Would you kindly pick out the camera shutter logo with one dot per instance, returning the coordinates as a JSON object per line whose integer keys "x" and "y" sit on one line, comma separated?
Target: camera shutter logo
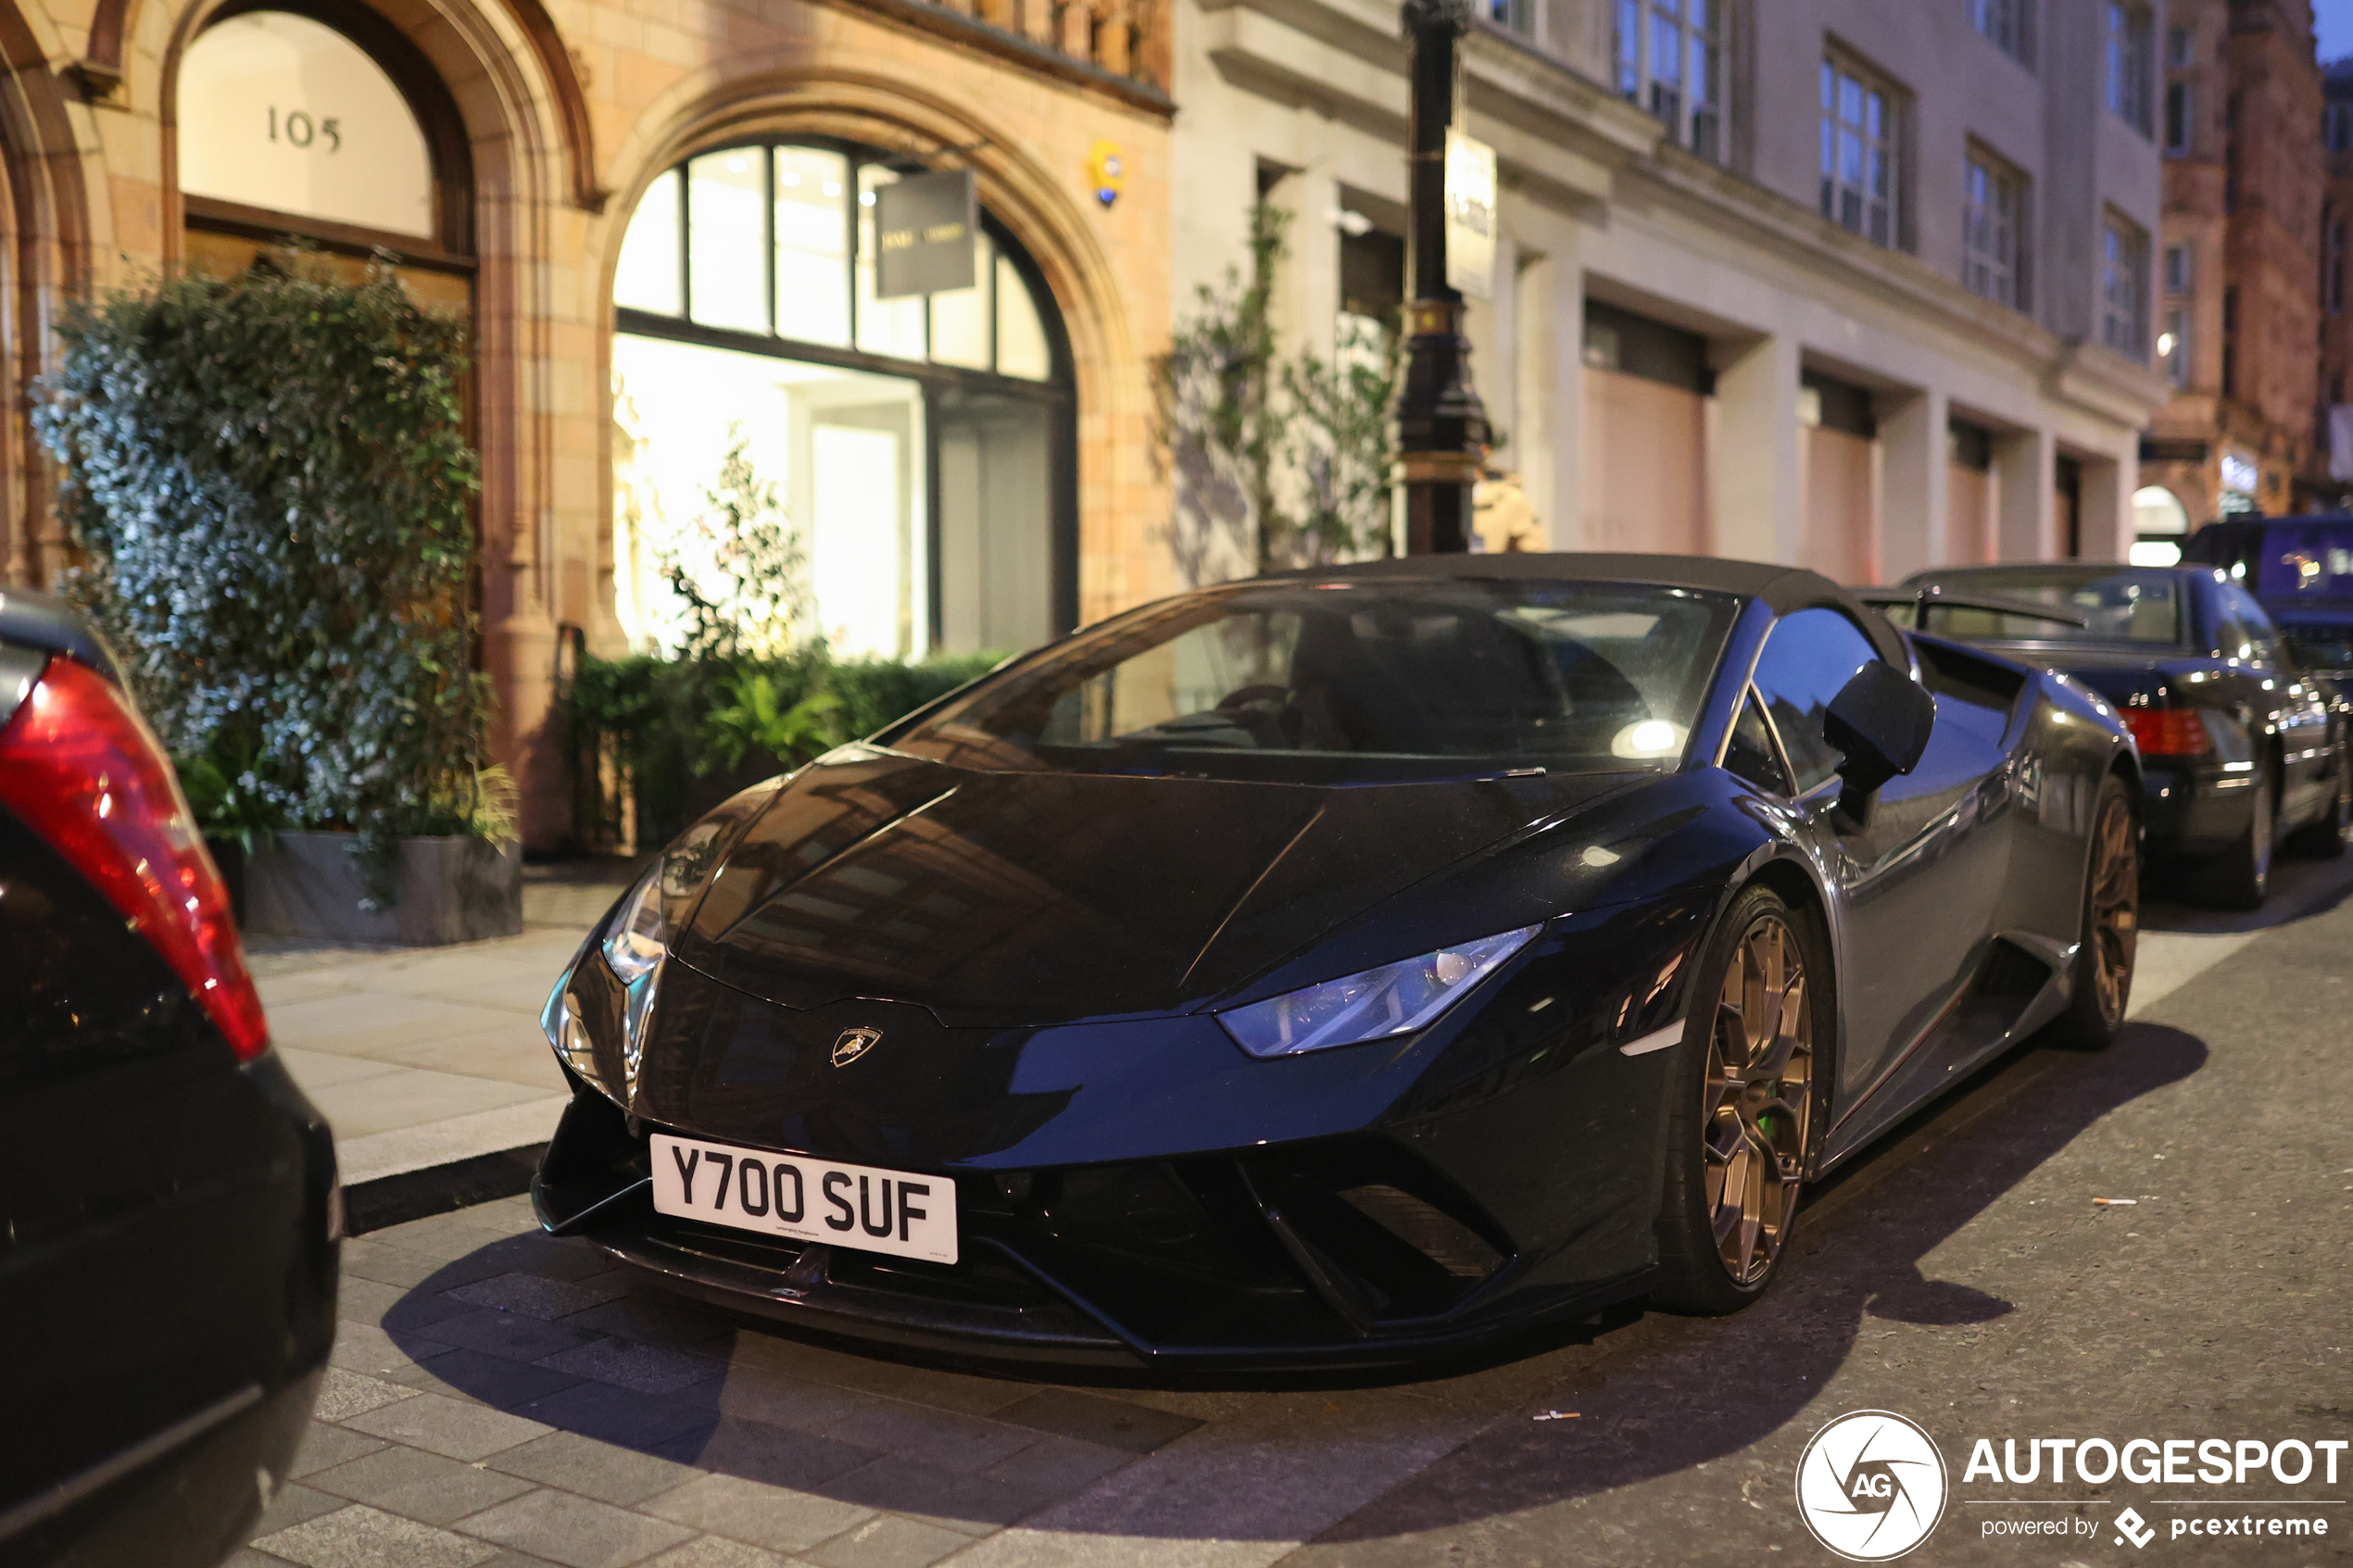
{"x": 1872, "y": 1486}
{"x": 852, "y": 1044}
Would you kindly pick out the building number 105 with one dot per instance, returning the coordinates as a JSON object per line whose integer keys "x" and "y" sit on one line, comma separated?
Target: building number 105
{"x": 302, "y": 131}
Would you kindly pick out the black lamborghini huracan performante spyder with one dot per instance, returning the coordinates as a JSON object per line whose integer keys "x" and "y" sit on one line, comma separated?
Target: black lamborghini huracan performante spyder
{"x": 1343, "y": 964}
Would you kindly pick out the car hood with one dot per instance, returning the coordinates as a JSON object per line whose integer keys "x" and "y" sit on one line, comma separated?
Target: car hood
{"x": 998, "y": 899}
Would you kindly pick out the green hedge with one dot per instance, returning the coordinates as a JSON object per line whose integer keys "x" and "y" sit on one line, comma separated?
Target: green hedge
{"x": 655, "y": 742}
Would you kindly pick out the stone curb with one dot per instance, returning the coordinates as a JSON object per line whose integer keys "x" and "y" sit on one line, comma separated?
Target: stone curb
{"x": 439, "y": 1190}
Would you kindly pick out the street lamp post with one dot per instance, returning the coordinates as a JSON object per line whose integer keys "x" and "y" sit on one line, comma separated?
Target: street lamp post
{"x": 1440, "y": 423}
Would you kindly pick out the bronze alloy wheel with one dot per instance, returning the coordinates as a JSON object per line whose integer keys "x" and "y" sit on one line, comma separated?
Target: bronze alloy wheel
{"x": 1758, "y": 1098}
{"x": 2116, "y": 905}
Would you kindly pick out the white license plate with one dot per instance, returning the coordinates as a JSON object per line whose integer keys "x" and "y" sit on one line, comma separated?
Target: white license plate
{"x": 789, "y": 1195}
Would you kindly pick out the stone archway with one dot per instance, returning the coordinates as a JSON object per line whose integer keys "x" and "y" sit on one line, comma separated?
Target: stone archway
{"x": 46, "y": 248}
{"x": 781, "y": 93}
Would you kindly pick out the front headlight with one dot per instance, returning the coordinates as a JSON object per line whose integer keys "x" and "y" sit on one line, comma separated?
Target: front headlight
{"x": 1396, "y": 998}
{"x": 564, "y": 1033}
{"x": 640, "y": 934}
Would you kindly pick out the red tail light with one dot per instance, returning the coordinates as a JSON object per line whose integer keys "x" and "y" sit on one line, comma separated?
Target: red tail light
{"x": 2166, "y": 731}
{"x": 81, "y": 770}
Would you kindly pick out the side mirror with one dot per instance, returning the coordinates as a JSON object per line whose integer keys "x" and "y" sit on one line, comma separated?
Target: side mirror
{"x": 1881, "y": 719}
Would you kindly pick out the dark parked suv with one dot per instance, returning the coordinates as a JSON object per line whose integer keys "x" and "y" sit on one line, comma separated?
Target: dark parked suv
{"x": 169, "y": 1211}
{"x": 2300, "y": 570}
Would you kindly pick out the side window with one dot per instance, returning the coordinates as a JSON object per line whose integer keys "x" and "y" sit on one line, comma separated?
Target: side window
{"x": 1809, "y": 658}
{"x": 1750, "y": 753}
{"x": 2247, "y": 633}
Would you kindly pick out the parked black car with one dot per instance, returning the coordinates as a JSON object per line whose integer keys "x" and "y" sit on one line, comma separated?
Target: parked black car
{"x": 2300, "y": 570}
{"x": 2244, "y": 748}
{"x": 1342, "y": 965}
{"x": 169, "y": 1211}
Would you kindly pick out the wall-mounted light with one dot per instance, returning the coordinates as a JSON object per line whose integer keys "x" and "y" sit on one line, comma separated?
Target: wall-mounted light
{"x": 1106, "y": 172}
{"x": 1354, "y": 224}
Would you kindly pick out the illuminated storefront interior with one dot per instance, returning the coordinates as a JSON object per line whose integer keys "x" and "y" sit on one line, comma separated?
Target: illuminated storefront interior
{"x": 922, "y": 447}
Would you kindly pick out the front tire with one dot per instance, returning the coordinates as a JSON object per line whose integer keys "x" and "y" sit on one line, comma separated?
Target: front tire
{"x": 2111, "y": 942}
{"x": 2240, "y": 877}
{"x": 1750, "y": 1088}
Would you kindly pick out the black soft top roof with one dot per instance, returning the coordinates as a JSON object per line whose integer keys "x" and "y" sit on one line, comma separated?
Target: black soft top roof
{"x": 1781, "y": 588}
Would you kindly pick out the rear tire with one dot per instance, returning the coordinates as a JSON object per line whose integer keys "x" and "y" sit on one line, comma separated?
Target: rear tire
{"x": 2240, "y": 877}
{"x": 1749, "y": 1108}
{"x": 2325, "y": 840}
{"x": 2110, "y": 940}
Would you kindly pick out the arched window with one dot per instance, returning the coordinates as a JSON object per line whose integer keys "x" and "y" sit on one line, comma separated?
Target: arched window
{"x": 920, "y": 446}
{"x": 320, "y": 119}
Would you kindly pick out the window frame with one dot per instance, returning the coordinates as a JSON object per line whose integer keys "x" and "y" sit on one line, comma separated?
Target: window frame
{"x": 1840, "y": 70}
{"x": 940, "y": 380}
{"x": 1004, "y": 246}
{"x": 2120, "y": 234}
{"x": 2180, "y": 119}
{"x": 2127, "y": 56}
{"x": 1832, "y": 780}
{"x": 2337, "y": 246}
{"x": 1751, "y": 697}
{"x": 2003, "y": 268}
{"x": 2185, "y": 280}
{"x": 2175, "y": 362}
{"x": 2006, "y": 24}
{"x": 1699, "y": 126}
{"x": 451, "y": 247}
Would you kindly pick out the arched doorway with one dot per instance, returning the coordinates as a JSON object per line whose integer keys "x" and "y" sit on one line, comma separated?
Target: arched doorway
{"x": 924, "y": 446}
{"x": 318, "y": 120}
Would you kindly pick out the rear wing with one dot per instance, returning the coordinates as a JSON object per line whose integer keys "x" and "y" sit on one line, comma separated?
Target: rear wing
{"x": 1923, "y": 599}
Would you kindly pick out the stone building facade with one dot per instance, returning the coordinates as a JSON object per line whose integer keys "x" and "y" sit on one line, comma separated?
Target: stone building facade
{"x": 2240, "y": 267}
{"x": 511, "y": 151}
{"x": 1861, "y": 286}
{"x": 2335, "y": 437}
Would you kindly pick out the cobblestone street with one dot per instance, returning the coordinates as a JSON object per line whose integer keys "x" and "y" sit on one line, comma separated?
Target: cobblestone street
{"x": 502, "y": 1398}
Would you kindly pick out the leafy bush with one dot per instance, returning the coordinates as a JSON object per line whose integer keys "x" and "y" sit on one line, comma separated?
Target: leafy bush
{"x": 269, "y": 480}
{"x": 670, "y": 738}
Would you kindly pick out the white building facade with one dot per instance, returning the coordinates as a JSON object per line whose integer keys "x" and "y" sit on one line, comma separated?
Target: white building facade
{"x": 1861, "y": 284}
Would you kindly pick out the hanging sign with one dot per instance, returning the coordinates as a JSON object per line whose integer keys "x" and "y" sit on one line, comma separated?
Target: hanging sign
{"x": 924, "y": 227}
{"x": 1470, "y": 214}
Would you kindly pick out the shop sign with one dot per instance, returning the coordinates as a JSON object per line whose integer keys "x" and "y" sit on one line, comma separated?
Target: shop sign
{"x": 924, "y": 228}
{"x": 1470, "y": 214}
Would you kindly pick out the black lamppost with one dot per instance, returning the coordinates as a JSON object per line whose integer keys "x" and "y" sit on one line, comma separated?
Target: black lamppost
{"x": 1440, "y": 423}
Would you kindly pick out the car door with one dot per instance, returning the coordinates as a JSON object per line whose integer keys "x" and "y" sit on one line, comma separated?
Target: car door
{"x": 1916, "y": 870}
{"x": 2278, "y": 696}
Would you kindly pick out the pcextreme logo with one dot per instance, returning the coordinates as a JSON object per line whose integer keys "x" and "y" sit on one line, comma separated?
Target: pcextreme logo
{"x": 1872, "y": 1486}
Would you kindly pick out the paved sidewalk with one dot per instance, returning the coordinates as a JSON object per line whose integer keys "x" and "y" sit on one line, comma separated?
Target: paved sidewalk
{"x": 422, "y": 1056}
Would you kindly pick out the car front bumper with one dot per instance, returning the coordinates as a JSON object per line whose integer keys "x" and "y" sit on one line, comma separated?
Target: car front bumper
{"x": 1314, "y": 1255}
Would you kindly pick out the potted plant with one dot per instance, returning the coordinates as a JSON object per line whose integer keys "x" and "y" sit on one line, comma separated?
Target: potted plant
{"x": 269, "y": 478}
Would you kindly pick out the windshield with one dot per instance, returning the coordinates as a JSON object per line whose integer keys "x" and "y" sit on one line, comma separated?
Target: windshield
{"x": 2141, "y": 607}
{"x": 2305, "y": 561}
{"x": 1354, "y": 681}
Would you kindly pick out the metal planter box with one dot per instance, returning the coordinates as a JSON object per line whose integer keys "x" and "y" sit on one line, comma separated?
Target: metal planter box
{"x": 448, "y": 890}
